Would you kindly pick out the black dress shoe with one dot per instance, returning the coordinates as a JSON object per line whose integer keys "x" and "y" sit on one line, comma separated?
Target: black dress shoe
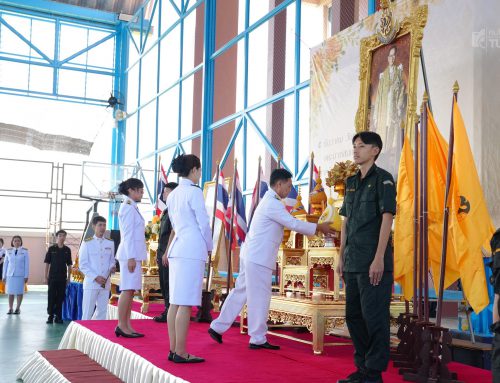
{"x": 215, "y": 335}
{"x": 189, "y": 359}
{"x": 161, "y": 318}
{"x": 356, "y": 377}
{"x": 17, "y": 312}
{"x": 50, "y": 319}
{"x": 10, "y": 312}
{"x": 267, "y": 346}
{"x": 171, "y": 356}
{"x": 119, "y": 332}
{"x": 138, "y": 334}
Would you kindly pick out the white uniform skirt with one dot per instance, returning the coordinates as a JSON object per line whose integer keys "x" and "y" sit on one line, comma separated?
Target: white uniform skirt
{"x": 185, "y": 280}
{"x": 15, "y": 286}
{"x": 130, "y": 280}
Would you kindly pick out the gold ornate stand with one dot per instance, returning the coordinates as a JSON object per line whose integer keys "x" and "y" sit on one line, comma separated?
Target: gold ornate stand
{"x": 149, "y": 282}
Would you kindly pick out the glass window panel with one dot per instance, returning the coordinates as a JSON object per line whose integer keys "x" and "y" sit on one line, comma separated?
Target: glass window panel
{"x": 169, "y": 15}
{"x": 192, "y": 50}
{"x": 170, "y": 58}
{"x": 311, "y": 35}
{"x": 14, "y": 75}
{"x": 24, "y": 207}
{"x": 168, "y": 117}
{"x": 99, "y": 86}
{"x": 131, "y": 140}
{"x": 133, "y": 53}
{"x": 41, "y": 171}
{"x": 225, "y": 82}
{"x": 287, "y": 32}
{"x": 71, "y": 83}
{"x": 304, "y": 126}
{"x": 188, "y": 125}
{"x": 149, "y": 73}
{"x": 41, "y": 79}
{"x": 258, "y": 148}
{"x": 95, "y": 35}
{"x": 259, "y": 8}
{"x": 43, "y": 36}
{"x": 258, "y": 61}
{"x": 166, "y": 158}
{"x": 147, "y": 129}
{"x": 72, "y": 40}
{"x": 11, "y": 43}
{"x": 73, "y": 213}
{"x": 150, "y": 179}
{"x": 103, "y": 55}
{"x": 72, "y": 179}
{"x": 133, "y": 89}
{"x": 288, "y": 148}
{"x": 151, "y": 20}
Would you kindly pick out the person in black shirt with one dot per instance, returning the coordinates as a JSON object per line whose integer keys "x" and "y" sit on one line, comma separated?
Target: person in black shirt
{"x": 57, "y": 274}
{"x": 165, "y": 230}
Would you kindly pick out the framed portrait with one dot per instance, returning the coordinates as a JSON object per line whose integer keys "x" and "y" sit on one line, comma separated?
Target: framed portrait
{"x": 218, "y": 232}
{"x": 388, "y": 82}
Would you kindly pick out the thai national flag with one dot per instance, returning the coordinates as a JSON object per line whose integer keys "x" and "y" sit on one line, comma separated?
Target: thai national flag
{"x": 222, "y": 202}
{"x": 291, "y": 199}
{"x": 161, "y": 205}
{"x": 240, "y": 221}
{"x": 315, "y": 178}
{"x": 256, "y": 198}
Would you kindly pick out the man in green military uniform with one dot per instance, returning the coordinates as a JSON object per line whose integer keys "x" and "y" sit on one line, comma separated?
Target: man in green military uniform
{"x": 366, "y": 261}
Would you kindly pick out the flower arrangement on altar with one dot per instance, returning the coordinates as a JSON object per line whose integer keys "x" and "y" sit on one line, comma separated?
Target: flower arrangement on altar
{"x": 152, "y": 228}
{"x": 338, "y": 175}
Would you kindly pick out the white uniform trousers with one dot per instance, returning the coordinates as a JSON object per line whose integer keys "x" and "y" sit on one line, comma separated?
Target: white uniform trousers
{"x": 95, "y": 299}
{"x": 253, "y": 287}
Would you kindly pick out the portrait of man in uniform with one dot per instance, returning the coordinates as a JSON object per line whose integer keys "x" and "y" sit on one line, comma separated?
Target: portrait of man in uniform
{"x": 388, "y": 97}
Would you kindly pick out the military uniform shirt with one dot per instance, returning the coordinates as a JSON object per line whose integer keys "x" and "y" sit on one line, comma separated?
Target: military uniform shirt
{"x": 58, "y": 259}
{"x": 365, "y": 201}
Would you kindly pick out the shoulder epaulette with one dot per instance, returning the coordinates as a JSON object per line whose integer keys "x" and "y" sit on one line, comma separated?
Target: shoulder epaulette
{"x": 88, "y": 239}
{"x": 129, "y": 202}
{"x": 23, "y": 248}
{"x": 10, "y": 248}
{"x": 109, "y": 239}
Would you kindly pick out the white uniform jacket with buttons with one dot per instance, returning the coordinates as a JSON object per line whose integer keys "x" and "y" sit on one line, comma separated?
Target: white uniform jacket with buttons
{"x": 266, "y": 232}
{"x": 132, "y": 238}
{"x": 96, "y": 258}
{"x": 16, "y": 265}
{"x": 190, "y": 222}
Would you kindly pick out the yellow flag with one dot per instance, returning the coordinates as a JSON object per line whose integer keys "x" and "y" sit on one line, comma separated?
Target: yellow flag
{"x": 403, "y": 224}
{"x": 437, "y": 154}
{"x": 470, "y": 222}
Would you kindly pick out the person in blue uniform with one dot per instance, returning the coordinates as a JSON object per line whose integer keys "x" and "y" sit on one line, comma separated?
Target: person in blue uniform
{"x": 2, "y": 259}
{"x": 190, "y": 246}
{"x": 258, "y": 259}
{"x": 57, "y": 274}
{"x": 366, "y": 259}
{"x": 16, "y": 271}
{"x": 165, "y": 230}
{"x": 131, "y": 252}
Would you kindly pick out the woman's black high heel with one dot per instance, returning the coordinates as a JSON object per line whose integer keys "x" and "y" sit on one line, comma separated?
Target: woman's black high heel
{"x": 119, "y": 332}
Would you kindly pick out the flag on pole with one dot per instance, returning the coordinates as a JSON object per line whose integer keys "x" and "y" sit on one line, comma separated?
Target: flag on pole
{"x": 222, "y": 202}
{"x": 403, "y": 223}
{"x": 470, "y": 223}
{"x": 161, "y": 205}
{"x": 291, "y": 199}
{"x": 239, "y": 221}
{"x": 315, "y": 177}
{"x": 262, "y": 187}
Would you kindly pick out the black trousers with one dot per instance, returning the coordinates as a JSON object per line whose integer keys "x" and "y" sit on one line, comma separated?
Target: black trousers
{"x": 495, "y": 358}
{"x": 57, "y": 293}
{"x": 368, "y": 319}
{"x": 164, "y": 286}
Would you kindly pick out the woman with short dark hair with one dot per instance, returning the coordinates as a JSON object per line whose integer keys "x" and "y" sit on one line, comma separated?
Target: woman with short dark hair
{"x": 131, "y": 252}
{"x": 16, "y": 272}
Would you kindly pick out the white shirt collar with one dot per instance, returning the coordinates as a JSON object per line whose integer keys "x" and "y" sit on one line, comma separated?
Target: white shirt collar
{"x": 99, "y": 239}
{"x": 186, "y": 181}
{"x": 132, "y": 202}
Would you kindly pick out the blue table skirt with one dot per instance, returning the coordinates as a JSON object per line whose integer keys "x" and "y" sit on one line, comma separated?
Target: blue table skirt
{"x": 72, "y": 307}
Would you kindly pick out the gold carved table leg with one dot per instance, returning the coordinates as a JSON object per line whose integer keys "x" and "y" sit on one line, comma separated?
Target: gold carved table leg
{"x": 318, "y": 331}
{"x": 145, "y": 302}
{"x": 114, "y": 294}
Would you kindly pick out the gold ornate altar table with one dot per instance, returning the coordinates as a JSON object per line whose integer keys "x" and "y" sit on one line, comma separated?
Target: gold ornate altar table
{"x": 319, "y": 317}
{"x": 149, "y": 282}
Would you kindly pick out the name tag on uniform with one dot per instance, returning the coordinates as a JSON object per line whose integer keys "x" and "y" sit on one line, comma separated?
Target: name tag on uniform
{"x": 388, "y": 182}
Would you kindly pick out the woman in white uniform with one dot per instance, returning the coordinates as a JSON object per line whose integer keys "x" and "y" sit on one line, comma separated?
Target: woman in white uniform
{"x": 190, "y": 244}
{"x": 131, "y": 252}
{"x": 16, "y": 270}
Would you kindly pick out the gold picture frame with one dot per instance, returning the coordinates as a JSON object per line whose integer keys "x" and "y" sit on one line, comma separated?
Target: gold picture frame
{"x": 413, "y": 25}
{"x": 218, "y": 236}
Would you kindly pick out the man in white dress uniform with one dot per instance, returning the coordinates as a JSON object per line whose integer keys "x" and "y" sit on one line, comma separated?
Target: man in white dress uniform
{"x": 97, "y": 262}
{"x": 258, "y": 260}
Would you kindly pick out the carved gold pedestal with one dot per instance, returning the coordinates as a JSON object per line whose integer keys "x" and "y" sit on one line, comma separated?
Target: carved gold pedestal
{"x": 149, "y": 282}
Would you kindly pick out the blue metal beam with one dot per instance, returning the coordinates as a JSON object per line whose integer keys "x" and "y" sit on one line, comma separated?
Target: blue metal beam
{"x": 231, "y": 144}
{"x": 66, "y": 10}
{"x": 372, "y": 7}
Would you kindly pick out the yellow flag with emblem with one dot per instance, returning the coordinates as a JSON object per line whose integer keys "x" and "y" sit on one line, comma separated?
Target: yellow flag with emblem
{"x": 470, "y": 222}
{"x": 403, "y": 223}
{"x": 437, "y": 154}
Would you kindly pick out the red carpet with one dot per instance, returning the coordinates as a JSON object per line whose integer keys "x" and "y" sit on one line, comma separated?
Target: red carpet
{"x": 233, "y": 361}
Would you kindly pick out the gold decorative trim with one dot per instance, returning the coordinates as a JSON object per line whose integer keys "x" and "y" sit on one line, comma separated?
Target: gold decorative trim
{"x": 321, "y": 261}
{"x": 333, "y": 323}
{"x": 295, "y": 319}
{"x": 414, "y": 25}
